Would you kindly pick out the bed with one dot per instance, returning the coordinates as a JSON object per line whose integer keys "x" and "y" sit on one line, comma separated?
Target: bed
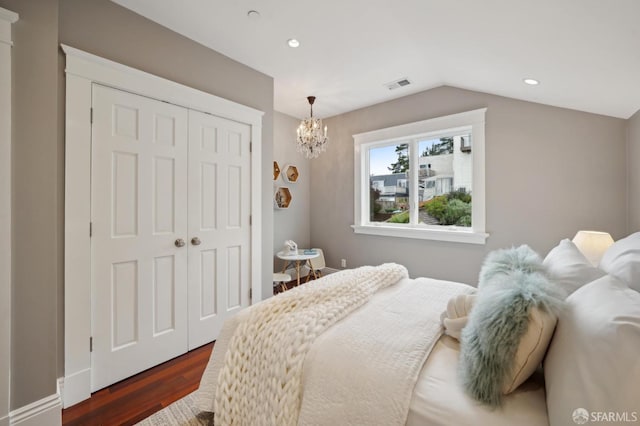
{"x": 381, "y": 355}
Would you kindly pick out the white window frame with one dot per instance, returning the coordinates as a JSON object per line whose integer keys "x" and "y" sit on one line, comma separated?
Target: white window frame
{"x": 405, "y": 133}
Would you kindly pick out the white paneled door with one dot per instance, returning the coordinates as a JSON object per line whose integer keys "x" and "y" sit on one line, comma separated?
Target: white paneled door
{"x": 170, "y": 230}
{"x": 139, "y": 194}
{"x": 219, "y": 229}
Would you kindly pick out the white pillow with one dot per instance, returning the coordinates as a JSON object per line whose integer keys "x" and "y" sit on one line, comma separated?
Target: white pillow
{"x": 531, "y": 349}
{"x": 505, "y": 340}
{"x": 622, "y": 260}
{"x": 569, "y": 268}
{"x": 592, "y": 362}
{"x": 455, "y": 317}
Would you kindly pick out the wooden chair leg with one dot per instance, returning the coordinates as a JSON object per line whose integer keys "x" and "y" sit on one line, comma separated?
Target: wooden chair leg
{"x": 312, "y": 271}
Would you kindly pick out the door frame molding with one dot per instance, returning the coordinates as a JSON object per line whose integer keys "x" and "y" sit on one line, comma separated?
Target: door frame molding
{"x": 82, "y": 70}
{"x": 7, "y": 18}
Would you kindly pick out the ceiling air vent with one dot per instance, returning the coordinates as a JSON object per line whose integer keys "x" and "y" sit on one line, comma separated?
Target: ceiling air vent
{"x": 398, "y": 83}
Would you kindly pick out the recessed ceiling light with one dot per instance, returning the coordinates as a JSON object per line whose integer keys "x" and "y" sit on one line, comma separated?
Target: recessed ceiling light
{"x": 253, "y": 14}
{"x": 292, "y": 42}
{"x": 531, "y": 81}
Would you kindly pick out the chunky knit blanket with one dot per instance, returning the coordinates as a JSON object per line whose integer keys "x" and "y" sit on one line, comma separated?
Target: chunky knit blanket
{"x": 260, "y": 381}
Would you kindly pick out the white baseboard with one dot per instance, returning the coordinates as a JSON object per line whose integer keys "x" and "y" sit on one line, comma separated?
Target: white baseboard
{"x": 44, "y": 412}
{"x": 4, "y": 421}
{"x": 75, "y": 387}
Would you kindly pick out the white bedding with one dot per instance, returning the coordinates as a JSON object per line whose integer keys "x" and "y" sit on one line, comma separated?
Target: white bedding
{"x": 362, "y": 371}
{"x": 437, "y": 399}
{"x": 260, "y": 382}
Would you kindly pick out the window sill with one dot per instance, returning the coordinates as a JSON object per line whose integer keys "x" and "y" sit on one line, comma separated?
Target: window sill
{"x": 449, "y": 234}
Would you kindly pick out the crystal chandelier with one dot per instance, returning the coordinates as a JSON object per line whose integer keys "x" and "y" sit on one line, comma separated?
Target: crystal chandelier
{"x": 312, "y": 140}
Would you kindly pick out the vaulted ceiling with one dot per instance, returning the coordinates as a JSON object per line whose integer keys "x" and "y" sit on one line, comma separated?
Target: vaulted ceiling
{"x": 585, "y": 53}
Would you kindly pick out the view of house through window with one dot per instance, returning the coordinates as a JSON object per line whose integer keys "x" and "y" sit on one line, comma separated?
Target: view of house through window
{"x": 443, "y": 181}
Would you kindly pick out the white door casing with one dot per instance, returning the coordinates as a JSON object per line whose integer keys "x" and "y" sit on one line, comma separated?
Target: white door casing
{"x": 139, "y": 199}
{"x": 6, "y": 19}
{"x": 219, "y": 228}
{"x": 82, "y": 71}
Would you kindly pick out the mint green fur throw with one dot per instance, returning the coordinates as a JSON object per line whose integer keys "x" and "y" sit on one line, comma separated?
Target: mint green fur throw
{"x": 512, "y": 281}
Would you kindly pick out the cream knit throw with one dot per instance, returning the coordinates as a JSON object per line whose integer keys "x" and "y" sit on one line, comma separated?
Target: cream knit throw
{"x": 260, "y": 381}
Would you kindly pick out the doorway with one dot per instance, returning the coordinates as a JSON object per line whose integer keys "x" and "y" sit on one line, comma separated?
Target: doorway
{"x": 170, "y": 241}
{"x": 83, "y": 72}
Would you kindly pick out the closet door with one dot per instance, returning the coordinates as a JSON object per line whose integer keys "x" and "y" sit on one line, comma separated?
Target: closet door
{"x": 219, "y": 228}
{"x": 139, "y": 223}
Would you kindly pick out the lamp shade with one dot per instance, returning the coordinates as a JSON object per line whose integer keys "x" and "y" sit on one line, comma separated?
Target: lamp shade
{"x": 593, "y": 244}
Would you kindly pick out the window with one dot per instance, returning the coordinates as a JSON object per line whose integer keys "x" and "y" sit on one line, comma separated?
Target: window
{"x": 423, "y": 179}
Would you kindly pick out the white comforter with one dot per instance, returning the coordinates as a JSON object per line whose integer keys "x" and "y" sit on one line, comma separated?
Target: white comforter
{"x": 369, "y": 368}
{"x": 362, "y": 371}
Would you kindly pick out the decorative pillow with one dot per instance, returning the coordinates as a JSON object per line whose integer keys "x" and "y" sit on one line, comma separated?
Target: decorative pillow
{"x": 510, "y": 324}
{"x": 569, "y": 268}
{"x": 592, "y": 362}
{"x": 531, "y": 349}
{"x": 622, "y": 260}
{"x": 455, "y": 317}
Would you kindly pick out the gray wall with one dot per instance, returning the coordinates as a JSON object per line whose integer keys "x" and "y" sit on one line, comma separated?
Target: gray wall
{"x": 36, "y": 223}
{"x": 291, "y": 223}
{"x": 549, "y": 172}
{"x": 633, "y": 159}
{"x": 105, "y": 29}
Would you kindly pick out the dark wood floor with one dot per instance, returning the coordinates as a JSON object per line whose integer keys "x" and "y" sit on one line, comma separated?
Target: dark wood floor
{"x": 136, "y": 398}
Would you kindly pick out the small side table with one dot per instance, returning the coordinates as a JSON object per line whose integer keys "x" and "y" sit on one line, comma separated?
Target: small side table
{"x": 297, "y": 260}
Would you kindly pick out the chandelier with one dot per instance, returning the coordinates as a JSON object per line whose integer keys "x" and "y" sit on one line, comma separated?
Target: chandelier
{"x": 312, "y": 140}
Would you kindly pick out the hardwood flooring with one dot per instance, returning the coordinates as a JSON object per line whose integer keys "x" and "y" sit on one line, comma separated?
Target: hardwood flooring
{"x": 136, "y": 398}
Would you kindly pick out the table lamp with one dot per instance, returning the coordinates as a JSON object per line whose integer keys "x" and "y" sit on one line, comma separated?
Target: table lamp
{"x": 593, "y": 244}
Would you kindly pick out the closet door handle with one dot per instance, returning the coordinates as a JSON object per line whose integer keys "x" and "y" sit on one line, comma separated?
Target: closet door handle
{"x": 179, "y": 242}
{"x": 196, "y": 241}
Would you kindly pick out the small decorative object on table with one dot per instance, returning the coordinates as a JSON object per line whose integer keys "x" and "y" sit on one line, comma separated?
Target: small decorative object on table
{"x": 290, "y": 247}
